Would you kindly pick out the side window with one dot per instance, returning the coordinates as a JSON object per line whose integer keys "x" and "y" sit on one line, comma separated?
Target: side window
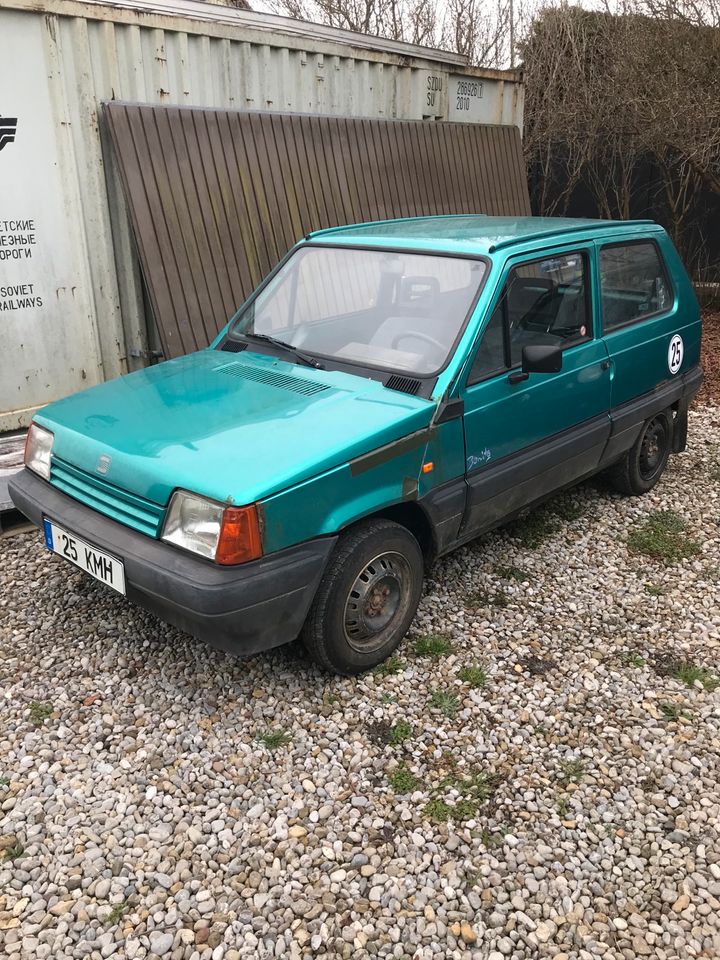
{"x": 633, "y": 283}
{"x": 547, "y": 304}
{"x": 543, "y": 302}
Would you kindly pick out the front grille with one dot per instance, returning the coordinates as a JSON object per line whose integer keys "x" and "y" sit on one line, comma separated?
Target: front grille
{"x": 96, "y": 492}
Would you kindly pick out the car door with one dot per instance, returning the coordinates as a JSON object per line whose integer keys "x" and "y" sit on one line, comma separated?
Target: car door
{"x": 527, "y": 435}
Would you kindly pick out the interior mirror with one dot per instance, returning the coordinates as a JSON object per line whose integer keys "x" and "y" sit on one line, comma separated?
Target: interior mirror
{"x": 541, "y": 358}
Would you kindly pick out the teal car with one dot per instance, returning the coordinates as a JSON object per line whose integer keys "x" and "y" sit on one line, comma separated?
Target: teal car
{"x": 391, "y": 391}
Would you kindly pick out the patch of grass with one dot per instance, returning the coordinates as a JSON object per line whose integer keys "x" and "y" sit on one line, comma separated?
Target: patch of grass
{"x": 402, "y": 780}
{"x": 116, "y": 914}
{"x": 654, "y": 590}
{"x": 432, "y": 645}
{"x": 689, "y": 673}
{"x": 39, "y": 712}
{"x": 662, "y": 537}
{"x": 474, "y": 788}
{"x": 390, "y": 666}
{"x": 511, "y": 572}
{"x": 446, "y": 703}
{"x": 438, "y": 810}
{"x": 473, "y": 676}
{"x": 572, "y": 771}
{"x": 486, "y": 598}
{"x": 535, "y": 528}
{"x": 273, "y": 739}
{"x": 400, "y": 732}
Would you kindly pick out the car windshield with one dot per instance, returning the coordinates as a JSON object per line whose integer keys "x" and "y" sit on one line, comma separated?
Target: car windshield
{"x": 378, "y": 308}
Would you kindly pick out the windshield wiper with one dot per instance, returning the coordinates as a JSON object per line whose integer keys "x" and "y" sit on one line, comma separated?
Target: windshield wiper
{"x": 302, "y": 357}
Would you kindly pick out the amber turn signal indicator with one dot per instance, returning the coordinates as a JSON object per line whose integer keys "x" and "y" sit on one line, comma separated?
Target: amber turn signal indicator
{"x": 240, "y": 538}
{"x": 428, "y": 467}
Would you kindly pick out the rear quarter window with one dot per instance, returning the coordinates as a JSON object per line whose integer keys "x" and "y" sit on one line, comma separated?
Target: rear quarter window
{"x": 634, "y": 283}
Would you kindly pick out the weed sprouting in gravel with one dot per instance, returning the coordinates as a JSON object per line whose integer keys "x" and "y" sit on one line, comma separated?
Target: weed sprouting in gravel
{"x": 433, "y": 645}
{"x": 116, "y": 914}
{"x": 568, "y": 508}
{"x": 4, "y": 782}
{"x": 690, "y": 673}
{"x": 631, "y": 659}
{"x": 447, "y": 703}
{"x": 654, "y": 590}
{"x": 535, "y": 528}
{"x": 487, "y": 598}
{"x": 572, "y": 771}
{"x": 390, "y": 666}
{"x": 274, "y": 739}
{"x": 39, "y": 712}
{"x": 387, "y": 698}
{"x": 686, "y": 671}
{"x": 473, "y": 787}
{"x": 672, "y": 712}
{"x": 400, "y": 731}
{"x": 511, "y": 572}
{"x": 474, "y": 676}
{"x": 12, "y": 853}
{"x": 662, "y": 536}
{"x": 402, "y": 780}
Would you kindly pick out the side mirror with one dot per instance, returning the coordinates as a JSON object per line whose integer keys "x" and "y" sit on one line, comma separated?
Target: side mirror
{"x": 541, "y": 359}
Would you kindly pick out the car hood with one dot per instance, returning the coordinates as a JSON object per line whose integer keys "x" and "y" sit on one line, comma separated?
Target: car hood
{"x": 234, "y": 428}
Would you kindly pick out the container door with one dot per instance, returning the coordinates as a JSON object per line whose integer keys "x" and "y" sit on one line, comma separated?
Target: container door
{"x": 527, "y": 436}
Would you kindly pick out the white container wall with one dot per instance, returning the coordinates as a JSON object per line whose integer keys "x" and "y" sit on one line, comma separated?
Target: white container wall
{"x": 71, "y": 304}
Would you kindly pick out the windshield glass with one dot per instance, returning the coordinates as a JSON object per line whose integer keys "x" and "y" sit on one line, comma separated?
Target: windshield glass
{"x": 398, "y": 311}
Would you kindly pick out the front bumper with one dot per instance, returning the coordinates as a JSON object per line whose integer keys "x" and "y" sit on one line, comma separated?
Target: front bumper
{"x": 242, "y": 609}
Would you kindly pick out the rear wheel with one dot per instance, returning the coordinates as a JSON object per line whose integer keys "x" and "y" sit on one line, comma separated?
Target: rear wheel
{"x": 643, "y": 465}
{"x": 367, "y": 598}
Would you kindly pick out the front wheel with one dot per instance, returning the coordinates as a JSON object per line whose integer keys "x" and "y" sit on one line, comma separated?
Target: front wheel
{"x": 643, "y": 465}
{"x": 367, "y": 598}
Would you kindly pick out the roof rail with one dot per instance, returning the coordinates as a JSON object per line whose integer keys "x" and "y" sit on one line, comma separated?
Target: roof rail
{"x": 580, "y": 228}
{"x": 376, "y": 223}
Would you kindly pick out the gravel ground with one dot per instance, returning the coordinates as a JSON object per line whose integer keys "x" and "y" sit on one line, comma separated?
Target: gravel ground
{"x": 535, "y": 775}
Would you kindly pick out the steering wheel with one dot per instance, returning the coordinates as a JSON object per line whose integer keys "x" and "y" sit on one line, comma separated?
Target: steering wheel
{"x": 418, "y": 336}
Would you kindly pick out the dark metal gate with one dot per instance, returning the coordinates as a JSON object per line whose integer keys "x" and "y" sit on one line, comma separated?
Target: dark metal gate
{"x": 217, "y": 197}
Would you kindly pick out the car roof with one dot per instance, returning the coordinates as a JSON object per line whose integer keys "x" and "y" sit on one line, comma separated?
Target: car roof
{"x": 471, "y": 234}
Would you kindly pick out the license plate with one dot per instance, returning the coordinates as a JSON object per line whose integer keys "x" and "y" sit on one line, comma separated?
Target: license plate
{"x": 104, "y": 568}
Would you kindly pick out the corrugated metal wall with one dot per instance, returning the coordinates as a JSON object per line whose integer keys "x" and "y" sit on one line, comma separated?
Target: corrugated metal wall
{"x": 85, "y": 313}
{"x": 218, "y": 197}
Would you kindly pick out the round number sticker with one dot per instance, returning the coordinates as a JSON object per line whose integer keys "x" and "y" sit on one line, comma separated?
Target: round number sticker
{"x": 676, "y": 351}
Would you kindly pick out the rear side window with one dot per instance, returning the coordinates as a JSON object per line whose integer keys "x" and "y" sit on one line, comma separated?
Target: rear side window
{"x": 543, "y": 302}
{"x": 633, "y": 283}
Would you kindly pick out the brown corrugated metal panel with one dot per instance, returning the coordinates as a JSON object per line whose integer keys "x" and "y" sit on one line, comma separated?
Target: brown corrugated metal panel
{"x": 217, "y": 197}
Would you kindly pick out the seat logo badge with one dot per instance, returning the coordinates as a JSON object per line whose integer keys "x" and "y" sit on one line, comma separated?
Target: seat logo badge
{"x": 676, "y": 351}
{"x": 103, "y": 464}
{"x": 8, "y": 126}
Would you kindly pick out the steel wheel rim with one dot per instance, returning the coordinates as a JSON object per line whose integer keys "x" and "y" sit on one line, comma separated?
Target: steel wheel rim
{"x": 376, "y": 602}
{"x": 652, "y": 449}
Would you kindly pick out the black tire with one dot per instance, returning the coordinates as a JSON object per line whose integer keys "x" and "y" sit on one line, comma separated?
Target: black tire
{"x": 367, "y": 598}
{"x": 643, "y": 465}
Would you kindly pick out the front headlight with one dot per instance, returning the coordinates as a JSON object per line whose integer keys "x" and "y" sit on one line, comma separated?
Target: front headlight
{"x": 227, "y": 535}
{"x": 38, "y": 449}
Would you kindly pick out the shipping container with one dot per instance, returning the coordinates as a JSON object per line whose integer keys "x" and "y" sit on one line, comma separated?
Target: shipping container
{"x": 73, "y": 307}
